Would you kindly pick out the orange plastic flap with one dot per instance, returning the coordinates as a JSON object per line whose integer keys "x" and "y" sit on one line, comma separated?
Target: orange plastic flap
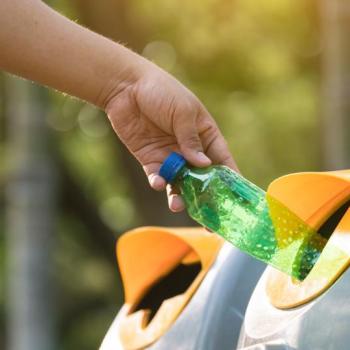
{"x": 314, "y": 197}
{"x": 147, "y": 254}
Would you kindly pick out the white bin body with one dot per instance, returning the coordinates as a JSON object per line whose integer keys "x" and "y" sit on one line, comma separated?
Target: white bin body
{"x": 213, "y": 317}
{"x": 322, "y": 324}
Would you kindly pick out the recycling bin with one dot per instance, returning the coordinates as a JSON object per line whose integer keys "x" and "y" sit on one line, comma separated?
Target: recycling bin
{"x": 284, "y": 313}
{"x": 188, "y": 289}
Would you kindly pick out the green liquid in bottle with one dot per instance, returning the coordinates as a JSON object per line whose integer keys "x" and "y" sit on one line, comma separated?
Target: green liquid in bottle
{"x": 246, "y": 216}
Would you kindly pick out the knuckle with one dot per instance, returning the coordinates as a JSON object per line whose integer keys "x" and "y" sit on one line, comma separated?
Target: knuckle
{"x": 193, "y": 141}
{"x": 188, "y": 107}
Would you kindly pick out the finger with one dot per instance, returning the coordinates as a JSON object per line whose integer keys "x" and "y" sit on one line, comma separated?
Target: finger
{"x": 156, "y": 182}
{"x": 154, "y": 179}
{"x": 187, "y": 136}
{"x": 214, "y": 144}
{"x": 219, "y": 152}
{"x": 175, "y": 201}
{"x": 152, "y": 158}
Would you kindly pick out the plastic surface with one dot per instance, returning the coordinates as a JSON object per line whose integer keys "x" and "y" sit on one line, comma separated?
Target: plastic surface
{"x": 319, "y": 199}
{"x": 213, "y": 314}
{"x": 315, "y": 313}
{"x": 321, "y": 324}
{"x": 253, "y": 221}
{"x": 146, "y": 256}
{"x": 212, "y": 318}
{"x": 171, "y": 166}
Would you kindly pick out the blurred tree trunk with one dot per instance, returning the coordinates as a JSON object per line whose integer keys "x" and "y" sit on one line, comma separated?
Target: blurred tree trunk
{"x": 30, "y": 200}
{"x": 335, "y": 22}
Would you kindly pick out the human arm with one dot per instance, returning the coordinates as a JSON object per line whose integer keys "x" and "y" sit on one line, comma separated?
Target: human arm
{"x": 151, "y": 111}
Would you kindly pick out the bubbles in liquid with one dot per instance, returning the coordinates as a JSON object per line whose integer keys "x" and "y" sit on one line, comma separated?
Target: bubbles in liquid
{"x": 252, "y": 220}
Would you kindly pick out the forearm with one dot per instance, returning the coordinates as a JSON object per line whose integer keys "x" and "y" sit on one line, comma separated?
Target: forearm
{"x": 39, "y": 44}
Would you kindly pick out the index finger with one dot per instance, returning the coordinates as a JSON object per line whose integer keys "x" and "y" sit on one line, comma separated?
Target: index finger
{"x": 215, "y": 145}
{"x": 219, "y": 152}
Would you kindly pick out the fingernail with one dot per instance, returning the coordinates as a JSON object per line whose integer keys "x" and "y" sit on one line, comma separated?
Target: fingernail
{"x": 203, "y": 158}
{"x": 156, "y": 182}
{"x": 176, "y": 203}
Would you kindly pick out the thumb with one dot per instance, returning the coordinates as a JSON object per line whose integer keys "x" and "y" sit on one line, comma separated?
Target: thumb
{"x": 189, "y": 142}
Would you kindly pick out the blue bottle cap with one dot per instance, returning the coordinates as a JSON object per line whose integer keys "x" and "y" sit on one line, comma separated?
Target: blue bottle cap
{"x": 171, "y": 166}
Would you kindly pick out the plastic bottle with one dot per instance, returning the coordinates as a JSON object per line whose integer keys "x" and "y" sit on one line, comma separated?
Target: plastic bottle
{"x": 225, "y": 202}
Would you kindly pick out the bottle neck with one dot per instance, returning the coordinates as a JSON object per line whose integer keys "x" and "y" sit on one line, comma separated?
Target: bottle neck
{"x": 180, "y": 174}
{"x": 172, "y": 166}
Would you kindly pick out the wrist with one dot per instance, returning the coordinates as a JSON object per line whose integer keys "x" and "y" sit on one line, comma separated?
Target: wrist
{"x": 130, "y": 68}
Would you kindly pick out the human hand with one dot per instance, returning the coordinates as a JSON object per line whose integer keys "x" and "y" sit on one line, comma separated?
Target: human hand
{"x": 152, "y": 113}
{"x": 156, "y": 115}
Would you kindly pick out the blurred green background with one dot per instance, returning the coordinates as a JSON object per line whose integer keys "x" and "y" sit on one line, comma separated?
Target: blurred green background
{"x": 270, "y": 72}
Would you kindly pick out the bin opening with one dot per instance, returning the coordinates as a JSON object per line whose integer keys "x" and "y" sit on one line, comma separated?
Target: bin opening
{"x": 174, "y": 283}
{"x": 320, "y": 241}
{"x": 161, "y": 269}
{"x": 329, "y": 226}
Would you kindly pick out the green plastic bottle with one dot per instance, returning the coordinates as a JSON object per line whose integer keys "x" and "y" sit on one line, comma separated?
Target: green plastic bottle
{"x": 245, "y": 215}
